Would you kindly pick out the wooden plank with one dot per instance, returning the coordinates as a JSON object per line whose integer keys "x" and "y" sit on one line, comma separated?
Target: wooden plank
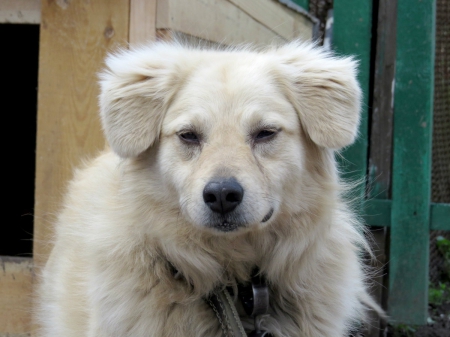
{"x": 440, "y": 217}
{"x": 170, "y": 35}
{"x": 377, "y": 212}
{"x": 75, "y": 36}
{"x": 16, "y": 277}
{"x": 278, "y": 18}
{"x": 20, "y": 11}
{"x": 411, "y": 180}
{"x": 380, "y": 149}
{"x": 142, "y": 21}
{"x": 352, "y": 36}
{"x": 380, "y": 158}
{"x": 214, "y": 20}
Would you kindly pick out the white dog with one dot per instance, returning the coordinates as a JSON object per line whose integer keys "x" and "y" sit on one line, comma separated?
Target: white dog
{"x": 221, "y": 161}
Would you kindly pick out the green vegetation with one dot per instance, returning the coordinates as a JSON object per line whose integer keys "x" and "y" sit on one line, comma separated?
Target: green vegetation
{"x": 438, "y": 297}
{"x": 403, "y": 330}
{"x": 443, "y": 245}
{"x": 440, "y": 294}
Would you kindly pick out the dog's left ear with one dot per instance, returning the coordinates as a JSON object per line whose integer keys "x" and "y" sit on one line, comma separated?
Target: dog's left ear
{"x": 324, "y": 91}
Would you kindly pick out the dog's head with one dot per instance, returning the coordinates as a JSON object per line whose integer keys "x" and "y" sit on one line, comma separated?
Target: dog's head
{"x": 230, "y": 131}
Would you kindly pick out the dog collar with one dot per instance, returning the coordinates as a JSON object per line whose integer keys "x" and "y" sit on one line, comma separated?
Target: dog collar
{"x": 254, "y": 297}
{"x": 255, "y": 300}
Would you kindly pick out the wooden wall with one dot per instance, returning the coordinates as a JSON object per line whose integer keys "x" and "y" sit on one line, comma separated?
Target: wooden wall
{"x": 74, "y": 39}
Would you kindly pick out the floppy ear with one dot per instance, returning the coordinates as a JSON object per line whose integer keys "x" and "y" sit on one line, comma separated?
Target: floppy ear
{"x": 135, "y": 88}
{"x": 324, "y": 91}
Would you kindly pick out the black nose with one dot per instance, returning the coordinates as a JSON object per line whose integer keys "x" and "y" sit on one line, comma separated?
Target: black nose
{"x": 222, "y": 196}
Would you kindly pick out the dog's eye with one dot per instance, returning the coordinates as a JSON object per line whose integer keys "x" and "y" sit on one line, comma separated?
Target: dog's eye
{"x": 189, "y": 137}
{"x": 264, "y": 135}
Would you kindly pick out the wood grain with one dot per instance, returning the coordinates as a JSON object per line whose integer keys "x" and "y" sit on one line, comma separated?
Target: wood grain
{"x": 278, "y": 18}
{"x": 214, "y": 20}
{"x": 75, "y": 37}
{"x": 16, "y": 277}
{"x": 380, "y": 150}
{"x": 380, "y": 157}
{"x": 142, "y": 21}
{"x": 20, "y": 11}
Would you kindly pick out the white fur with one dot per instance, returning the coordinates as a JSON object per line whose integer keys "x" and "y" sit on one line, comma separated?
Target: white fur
{"x": 133, "y": 211}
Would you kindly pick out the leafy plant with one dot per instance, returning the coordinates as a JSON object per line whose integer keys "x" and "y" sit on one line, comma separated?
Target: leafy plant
{"x": 439, "y": 295}
{"x": 443, "y": 246}
{"x": 403, "y": 330}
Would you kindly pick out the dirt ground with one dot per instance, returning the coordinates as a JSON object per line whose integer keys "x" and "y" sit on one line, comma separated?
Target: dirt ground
{"x": 440, "y": 327}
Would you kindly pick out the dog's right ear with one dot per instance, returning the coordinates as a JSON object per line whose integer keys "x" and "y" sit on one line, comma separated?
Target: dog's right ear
{"x": 135, "y": 89}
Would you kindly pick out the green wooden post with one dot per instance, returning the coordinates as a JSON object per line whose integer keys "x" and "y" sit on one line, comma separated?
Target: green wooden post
{"x": 352, "y": 36}
{"x": 411, "y": 187}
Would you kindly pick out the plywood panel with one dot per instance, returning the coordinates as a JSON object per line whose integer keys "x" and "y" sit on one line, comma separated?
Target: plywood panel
{"x": 75, "y": 37}
{"x": 213, "y": 20}
{"x": 142, "y": 21}
{"x": 20, "y": 11}
{"x": 278, "y": 18}
{"x": 16, "y": 277}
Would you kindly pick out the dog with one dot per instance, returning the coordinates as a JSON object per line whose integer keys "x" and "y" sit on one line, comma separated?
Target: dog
{"x": 220, "y": 161}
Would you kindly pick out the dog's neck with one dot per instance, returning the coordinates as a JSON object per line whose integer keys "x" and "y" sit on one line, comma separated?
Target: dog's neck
{"x": 207, "y": 261}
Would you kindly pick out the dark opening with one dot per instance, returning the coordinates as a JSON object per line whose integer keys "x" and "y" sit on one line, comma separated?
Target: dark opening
{"x": 19, "y": 58}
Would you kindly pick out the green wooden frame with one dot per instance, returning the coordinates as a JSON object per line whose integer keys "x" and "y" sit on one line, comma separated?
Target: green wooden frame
{"x": 411, "y": 179}
{"x": 378, "y": 213}
{"x": 302, "y": 3}
{"x": 410, "y": 214}
{"x": 352, "y": 36}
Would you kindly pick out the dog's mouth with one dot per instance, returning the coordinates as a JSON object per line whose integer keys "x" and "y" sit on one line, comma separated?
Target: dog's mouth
{"x": 226, "y": 226}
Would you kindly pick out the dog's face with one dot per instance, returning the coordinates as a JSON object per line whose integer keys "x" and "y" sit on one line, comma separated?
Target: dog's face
{"x": 228, "y": 142}
{"x": 230, "y": 127}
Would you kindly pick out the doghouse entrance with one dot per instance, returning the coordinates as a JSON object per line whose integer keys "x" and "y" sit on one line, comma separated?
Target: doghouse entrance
{"x": 19, "y": 57}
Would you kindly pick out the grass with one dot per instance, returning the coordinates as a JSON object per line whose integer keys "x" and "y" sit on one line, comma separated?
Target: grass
{"x": 438, "y": 297}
